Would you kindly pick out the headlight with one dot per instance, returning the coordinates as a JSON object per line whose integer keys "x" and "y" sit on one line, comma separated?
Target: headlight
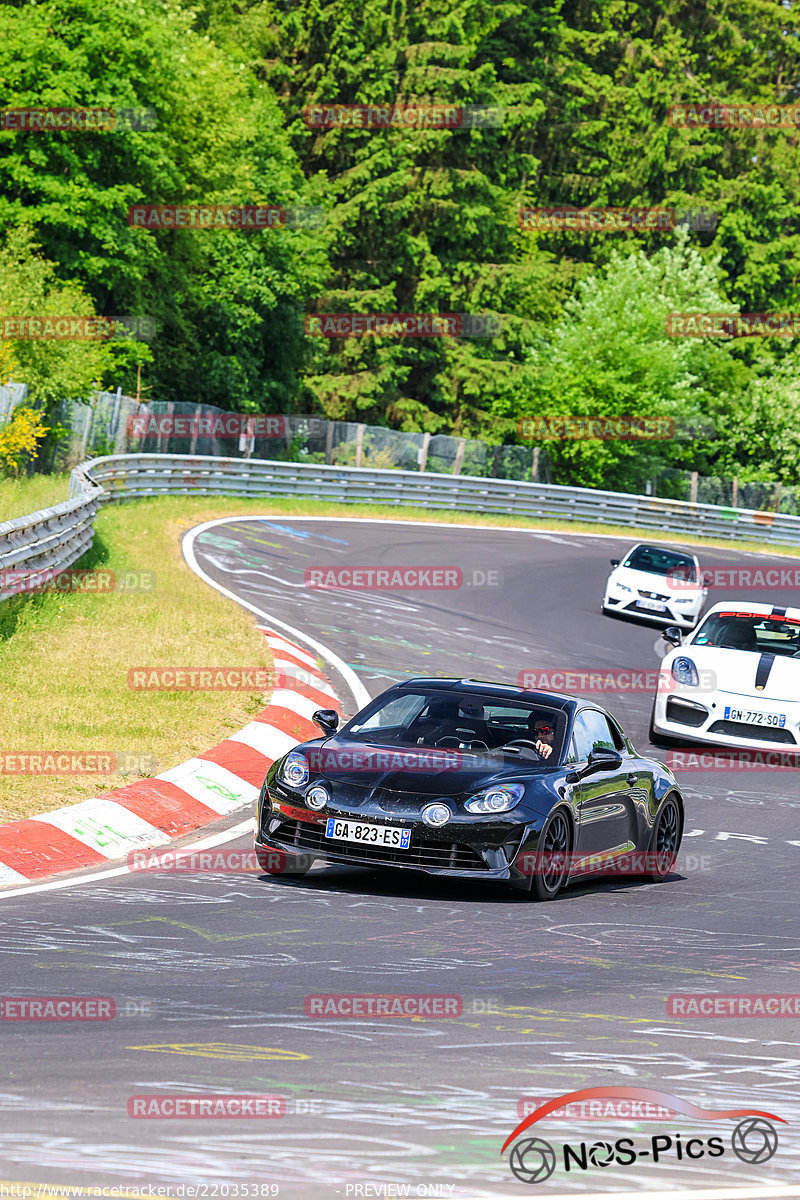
{"x": 496, "y": 799}
{"x": 685, "y": 672}
{"x": 621, "y": 587}
{"x": 687, "y": 600}
{"x": 295, "y": 769}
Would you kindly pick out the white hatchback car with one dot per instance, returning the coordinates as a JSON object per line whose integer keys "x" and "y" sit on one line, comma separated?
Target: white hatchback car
{"x": 655, "y": 583}
{"x": 734, "y": 681}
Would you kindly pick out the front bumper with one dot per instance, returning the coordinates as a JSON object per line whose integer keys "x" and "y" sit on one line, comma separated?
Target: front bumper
{"x": 630, "y": 604}
{"x": 698, "y": 717}
{"x": 461, "y": 849}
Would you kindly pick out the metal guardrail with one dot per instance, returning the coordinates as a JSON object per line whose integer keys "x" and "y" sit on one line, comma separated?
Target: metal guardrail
{"x": 54, "y": 538}
{"x": 49, "y": 540}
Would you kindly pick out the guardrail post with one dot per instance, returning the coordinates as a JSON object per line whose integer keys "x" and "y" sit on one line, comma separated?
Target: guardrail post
{"x": 777, "y": 499}
{"x": 693, "y": 488}
{"x": 535, "y": 467}
{"x": 360, "y": 443}
{"x": 462, "y": 445}
{"x": 735, "y": 492}
{"x": 496, "y": 461}
{"x": 329, "y": 442}
{"x": 423, "y": 453}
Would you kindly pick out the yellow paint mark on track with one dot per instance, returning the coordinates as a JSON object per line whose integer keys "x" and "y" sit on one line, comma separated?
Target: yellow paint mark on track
{"x": 229, "y": 1051}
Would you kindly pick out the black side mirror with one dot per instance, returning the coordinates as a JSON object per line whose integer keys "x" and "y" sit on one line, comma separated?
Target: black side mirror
{"x": 672, "y": 635}
{"x": 327, "y": 719}
{"x": 600, "y": 759}
{"x": 614, "y": 562}
{"x": 708, "y": 579}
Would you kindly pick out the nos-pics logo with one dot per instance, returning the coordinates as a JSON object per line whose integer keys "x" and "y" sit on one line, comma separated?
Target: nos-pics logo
{"x": 533, "y": 1160}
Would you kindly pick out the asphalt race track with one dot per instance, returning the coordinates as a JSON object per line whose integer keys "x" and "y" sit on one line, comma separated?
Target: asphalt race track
{"x": 210, "y": 972}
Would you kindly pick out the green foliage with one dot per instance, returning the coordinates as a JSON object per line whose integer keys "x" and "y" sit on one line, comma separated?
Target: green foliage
{"x": 226, "y": 304}
{"x": 422, "y": 220}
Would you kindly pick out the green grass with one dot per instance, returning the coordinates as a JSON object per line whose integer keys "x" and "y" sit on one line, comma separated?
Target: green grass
{"x": 18, "y": 497}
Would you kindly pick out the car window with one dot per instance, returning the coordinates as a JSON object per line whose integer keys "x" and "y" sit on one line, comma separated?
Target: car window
{"x": 397, "y": 712}
{"x": 591, "y": 731}
{"x": 661, "y": 562}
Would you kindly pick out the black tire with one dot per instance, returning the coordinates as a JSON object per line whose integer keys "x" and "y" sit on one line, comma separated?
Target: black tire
{"x": 555, "y": 841}
{"x": 286, "y": 867}
{"x": 666, "y": 840}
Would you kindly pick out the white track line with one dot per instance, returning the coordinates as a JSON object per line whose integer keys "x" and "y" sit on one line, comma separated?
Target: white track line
{"x": 360, "y": 693}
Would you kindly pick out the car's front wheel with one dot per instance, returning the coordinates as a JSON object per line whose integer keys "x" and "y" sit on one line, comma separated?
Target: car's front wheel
{"x": 286, "y": 866}
{"x": 551, "y": 862}
{"x": 665, "y": 841}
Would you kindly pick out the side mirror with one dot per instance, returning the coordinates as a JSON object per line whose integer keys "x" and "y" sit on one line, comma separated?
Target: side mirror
{"x": 599, "y": 760}
{"x": 605, "y": 760}
{"x": 614, "y": 562}
{"x": 708, "y": 578}
{"x": 672, "y": 635}
{"x": 327, "y": 719}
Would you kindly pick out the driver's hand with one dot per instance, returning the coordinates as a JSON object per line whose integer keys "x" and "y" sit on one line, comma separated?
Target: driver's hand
{"x": 544, "y": 748}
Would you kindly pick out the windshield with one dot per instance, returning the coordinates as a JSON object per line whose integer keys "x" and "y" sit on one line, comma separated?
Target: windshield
{"x": 472, "y": 724}
{"x": 662, "y": 562}
{"x": 750, "y": 631}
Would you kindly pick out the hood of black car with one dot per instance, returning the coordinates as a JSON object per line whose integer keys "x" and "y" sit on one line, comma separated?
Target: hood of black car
{"x": 412, "y": 770}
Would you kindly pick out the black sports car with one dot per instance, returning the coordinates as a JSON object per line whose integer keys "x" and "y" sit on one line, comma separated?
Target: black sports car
{"x": 475, "y": 780}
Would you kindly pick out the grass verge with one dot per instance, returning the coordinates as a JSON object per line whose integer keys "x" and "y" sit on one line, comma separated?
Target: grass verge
{"x": 18, "y": 497}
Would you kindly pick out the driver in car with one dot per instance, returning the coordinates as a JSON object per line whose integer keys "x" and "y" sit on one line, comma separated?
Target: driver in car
{"x": 544, "y": 732}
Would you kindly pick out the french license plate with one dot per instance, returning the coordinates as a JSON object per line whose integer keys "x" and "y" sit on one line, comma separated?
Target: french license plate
{"x": 368, "y": 835}
{"x": 749, "y": 717}
{"x": 652, "y": 605}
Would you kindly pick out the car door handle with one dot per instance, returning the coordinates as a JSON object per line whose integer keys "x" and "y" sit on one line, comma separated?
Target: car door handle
{"x": 632, "y": 778}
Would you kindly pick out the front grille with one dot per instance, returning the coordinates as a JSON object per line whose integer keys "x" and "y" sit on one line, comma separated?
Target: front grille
{"x": 449, "y": 856}
{"x": 652, "y": 595}
{"x": 760, "y": 733}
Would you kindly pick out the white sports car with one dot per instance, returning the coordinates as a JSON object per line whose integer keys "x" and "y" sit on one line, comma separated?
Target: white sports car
{"x": 735, "y": 681}
{"x": 657, "y": 584}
